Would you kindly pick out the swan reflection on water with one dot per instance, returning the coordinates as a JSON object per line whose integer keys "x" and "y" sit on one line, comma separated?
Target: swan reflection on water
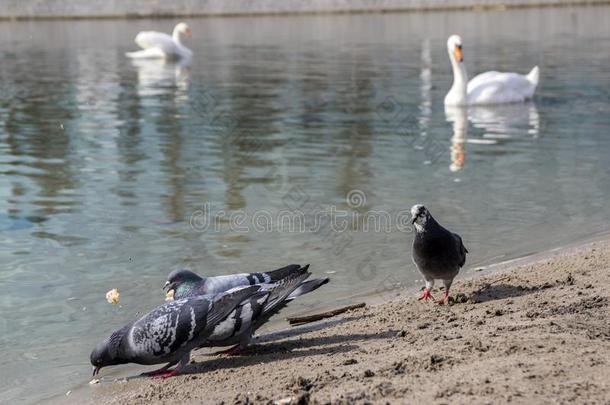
{"x": 499, "y": 122}
{"x": 458, "y": 116}
{"x": 506, "y": 121}
{"x": 158, "y": 76}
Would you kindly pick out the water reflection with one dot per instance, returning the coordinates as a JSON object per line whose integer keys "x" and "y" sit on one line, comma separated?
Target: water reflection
{"x": 458, "y": 116}
{"x": 499, "y": 123}
{"x": 425, "y": 76}
{"x": 157, "y": 77}
{"x": 506, "y": 121}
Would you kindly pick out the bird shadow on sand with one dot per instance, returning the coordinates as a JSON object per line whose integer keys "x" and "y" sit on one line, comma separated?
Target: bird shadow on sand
{"x": 273, "y": 347}
{"x": 268, "y": 353}
{"x": 284, "y": 350}
{"x": 301, "y": 329}
{"x": 492, "y": 292}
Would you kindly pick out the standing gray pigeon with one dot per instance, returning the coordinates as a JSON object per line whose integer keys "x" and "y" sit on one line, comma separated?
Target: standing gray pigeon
{"x": 168, "y": 333}
{"x": 438, "y": 253}
{"x": 185, "y": 283}
{"x": 283, "y": 286}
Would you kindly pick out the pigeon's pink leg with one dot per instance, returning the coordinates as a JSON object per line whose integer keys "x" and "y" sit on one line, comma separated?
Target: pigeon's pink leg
{"x": 157, "y": 372}
{"x": 233, "y": 351}
{"x": 163, "y": 374}
{"x": 167, "y": 374}
{"x": 444, "y": 299}
{"x": 426, "y": 295}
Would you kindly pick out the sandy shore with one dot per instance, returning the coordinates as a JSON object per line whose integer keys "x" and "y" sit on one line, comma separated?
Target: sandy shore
{"x": 531, "y": 333}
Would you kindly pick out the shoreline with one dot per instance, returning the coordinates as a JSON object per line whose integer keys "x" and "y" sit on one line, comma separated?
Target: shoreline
{"x": 537, "y": 333}
{"x": 17, "y": 11}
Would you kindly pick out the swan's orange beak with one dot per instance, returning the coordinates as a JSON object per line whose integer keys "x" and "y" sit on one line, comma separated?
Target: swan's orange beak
{"x": 188, "y": 33}
{"x": 458, "y": 53}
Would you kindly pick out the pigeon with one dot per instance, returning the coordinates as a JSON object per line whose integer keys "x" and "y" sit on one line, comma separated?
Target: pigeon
{"x": 168, "y": 333}
{"x": 437, "y": 252}
{"x": 186, "y": 283}
{"x": 237, "y": 329}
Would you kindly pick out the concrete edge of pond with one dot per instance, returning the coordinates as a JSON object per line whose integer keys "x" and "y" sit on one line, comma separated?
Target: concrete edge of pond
{"x": 98, "y": 9}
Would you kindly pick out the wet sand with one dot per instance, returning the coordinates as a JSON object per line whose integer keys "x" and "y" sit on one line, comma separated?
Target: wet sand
{"x": 530, "y": 333}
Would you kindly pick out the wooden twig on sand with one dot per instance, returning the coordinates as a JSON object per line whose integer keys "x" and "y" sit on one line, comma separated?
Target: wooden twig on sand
{"x": 500, "y": 279}
{"x": 299, "y": 320}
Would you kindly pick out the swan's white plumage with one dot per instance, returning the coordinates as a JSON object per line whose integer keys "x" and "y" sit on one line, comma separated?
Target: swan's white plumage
{"x": 160, "y": 45}
{"x": 153, "y": 39}
{"x": 489, "y": 87}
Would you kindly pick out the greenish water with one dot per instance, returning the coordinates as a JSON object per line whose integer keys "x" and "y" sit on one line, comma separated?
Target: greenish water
{"x": 108, "y": 165}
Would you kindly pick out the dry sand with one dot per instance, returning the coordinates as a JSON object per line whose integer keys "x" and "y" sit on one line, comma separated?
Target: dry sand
{"x": 533, "y": 333}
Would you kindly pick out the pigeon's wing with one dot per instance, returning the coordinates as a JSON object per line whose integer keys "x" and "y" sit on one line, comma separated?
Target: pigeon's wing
{"x": 279, "y": 294}
{"x": 253, "y": 312}
{"x": 215, "y": 285}
{"x": 241, "y": 318}
{"x": 308, "y": 286}
{"x": 461, "y": 249}
{"x": 290, "y": 270}
{"x": 223, "y": 304}
{"x": 168, "y": 327}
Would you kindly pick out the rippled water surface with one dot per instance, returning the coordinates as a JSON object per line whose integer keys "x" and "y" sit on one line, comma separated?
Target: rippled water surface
{"x": 115, "y": 173}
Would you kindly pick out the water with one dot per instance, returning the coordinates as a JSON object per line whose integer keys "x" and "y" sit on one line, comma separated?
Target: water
{"x": 107, "y": 166}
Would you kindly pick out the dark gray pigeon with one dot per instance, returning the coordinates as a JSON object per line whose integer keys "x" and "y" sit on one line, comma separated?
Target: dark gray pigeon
{"x": 168, "y": 333}
{"x": 185, "y": 283}
{"x": 438, "y": 253}
{"x": 282, "y": 286}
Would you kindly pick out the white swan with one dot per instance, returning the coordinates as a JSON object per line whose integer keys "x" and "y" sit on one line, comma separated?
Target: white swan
{"x": 489, "y": 87}
{"x": 160, "y": 45}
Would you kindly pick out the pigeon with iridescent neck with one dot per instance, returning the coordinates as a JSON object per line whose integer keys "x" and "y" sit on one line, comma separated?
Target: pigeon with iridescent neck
{"x": 437, "y": 252}
{"x": 186, "y": 283}
{"x": 238, "y": 328}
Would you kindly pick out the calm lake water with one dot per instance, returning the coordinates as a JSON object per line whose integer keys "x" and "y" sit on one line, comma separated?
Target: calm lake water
{"x": 110, "y": 167}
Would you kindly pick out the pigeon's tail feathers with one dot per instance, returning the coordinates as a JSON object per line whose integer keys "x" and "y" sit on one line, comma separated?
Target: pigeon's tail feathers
{"x": 280, "y": 291}
{"x": 308, "y": 286}
{"x": 226, "y": 302}
{"x": 461, "y": 249}
{"x": 291, "y": 269}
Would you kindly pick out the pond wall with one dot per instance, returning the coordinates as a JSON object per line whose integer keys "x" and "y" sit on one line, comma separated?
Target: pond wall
{"x": 43, "y": 9}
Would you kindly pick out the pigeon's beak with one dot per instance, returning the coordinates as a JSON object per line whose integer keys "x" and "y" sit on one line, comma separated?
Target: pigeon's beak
{"x": 413, "y": 219}
{"x": 168, "y": 286}
{"x": 96, "y": 370}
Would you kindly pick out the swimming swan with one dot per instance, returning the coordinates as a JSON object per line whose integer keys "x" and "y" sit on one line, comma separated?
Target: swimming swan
{"x": 489, "y": 87}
